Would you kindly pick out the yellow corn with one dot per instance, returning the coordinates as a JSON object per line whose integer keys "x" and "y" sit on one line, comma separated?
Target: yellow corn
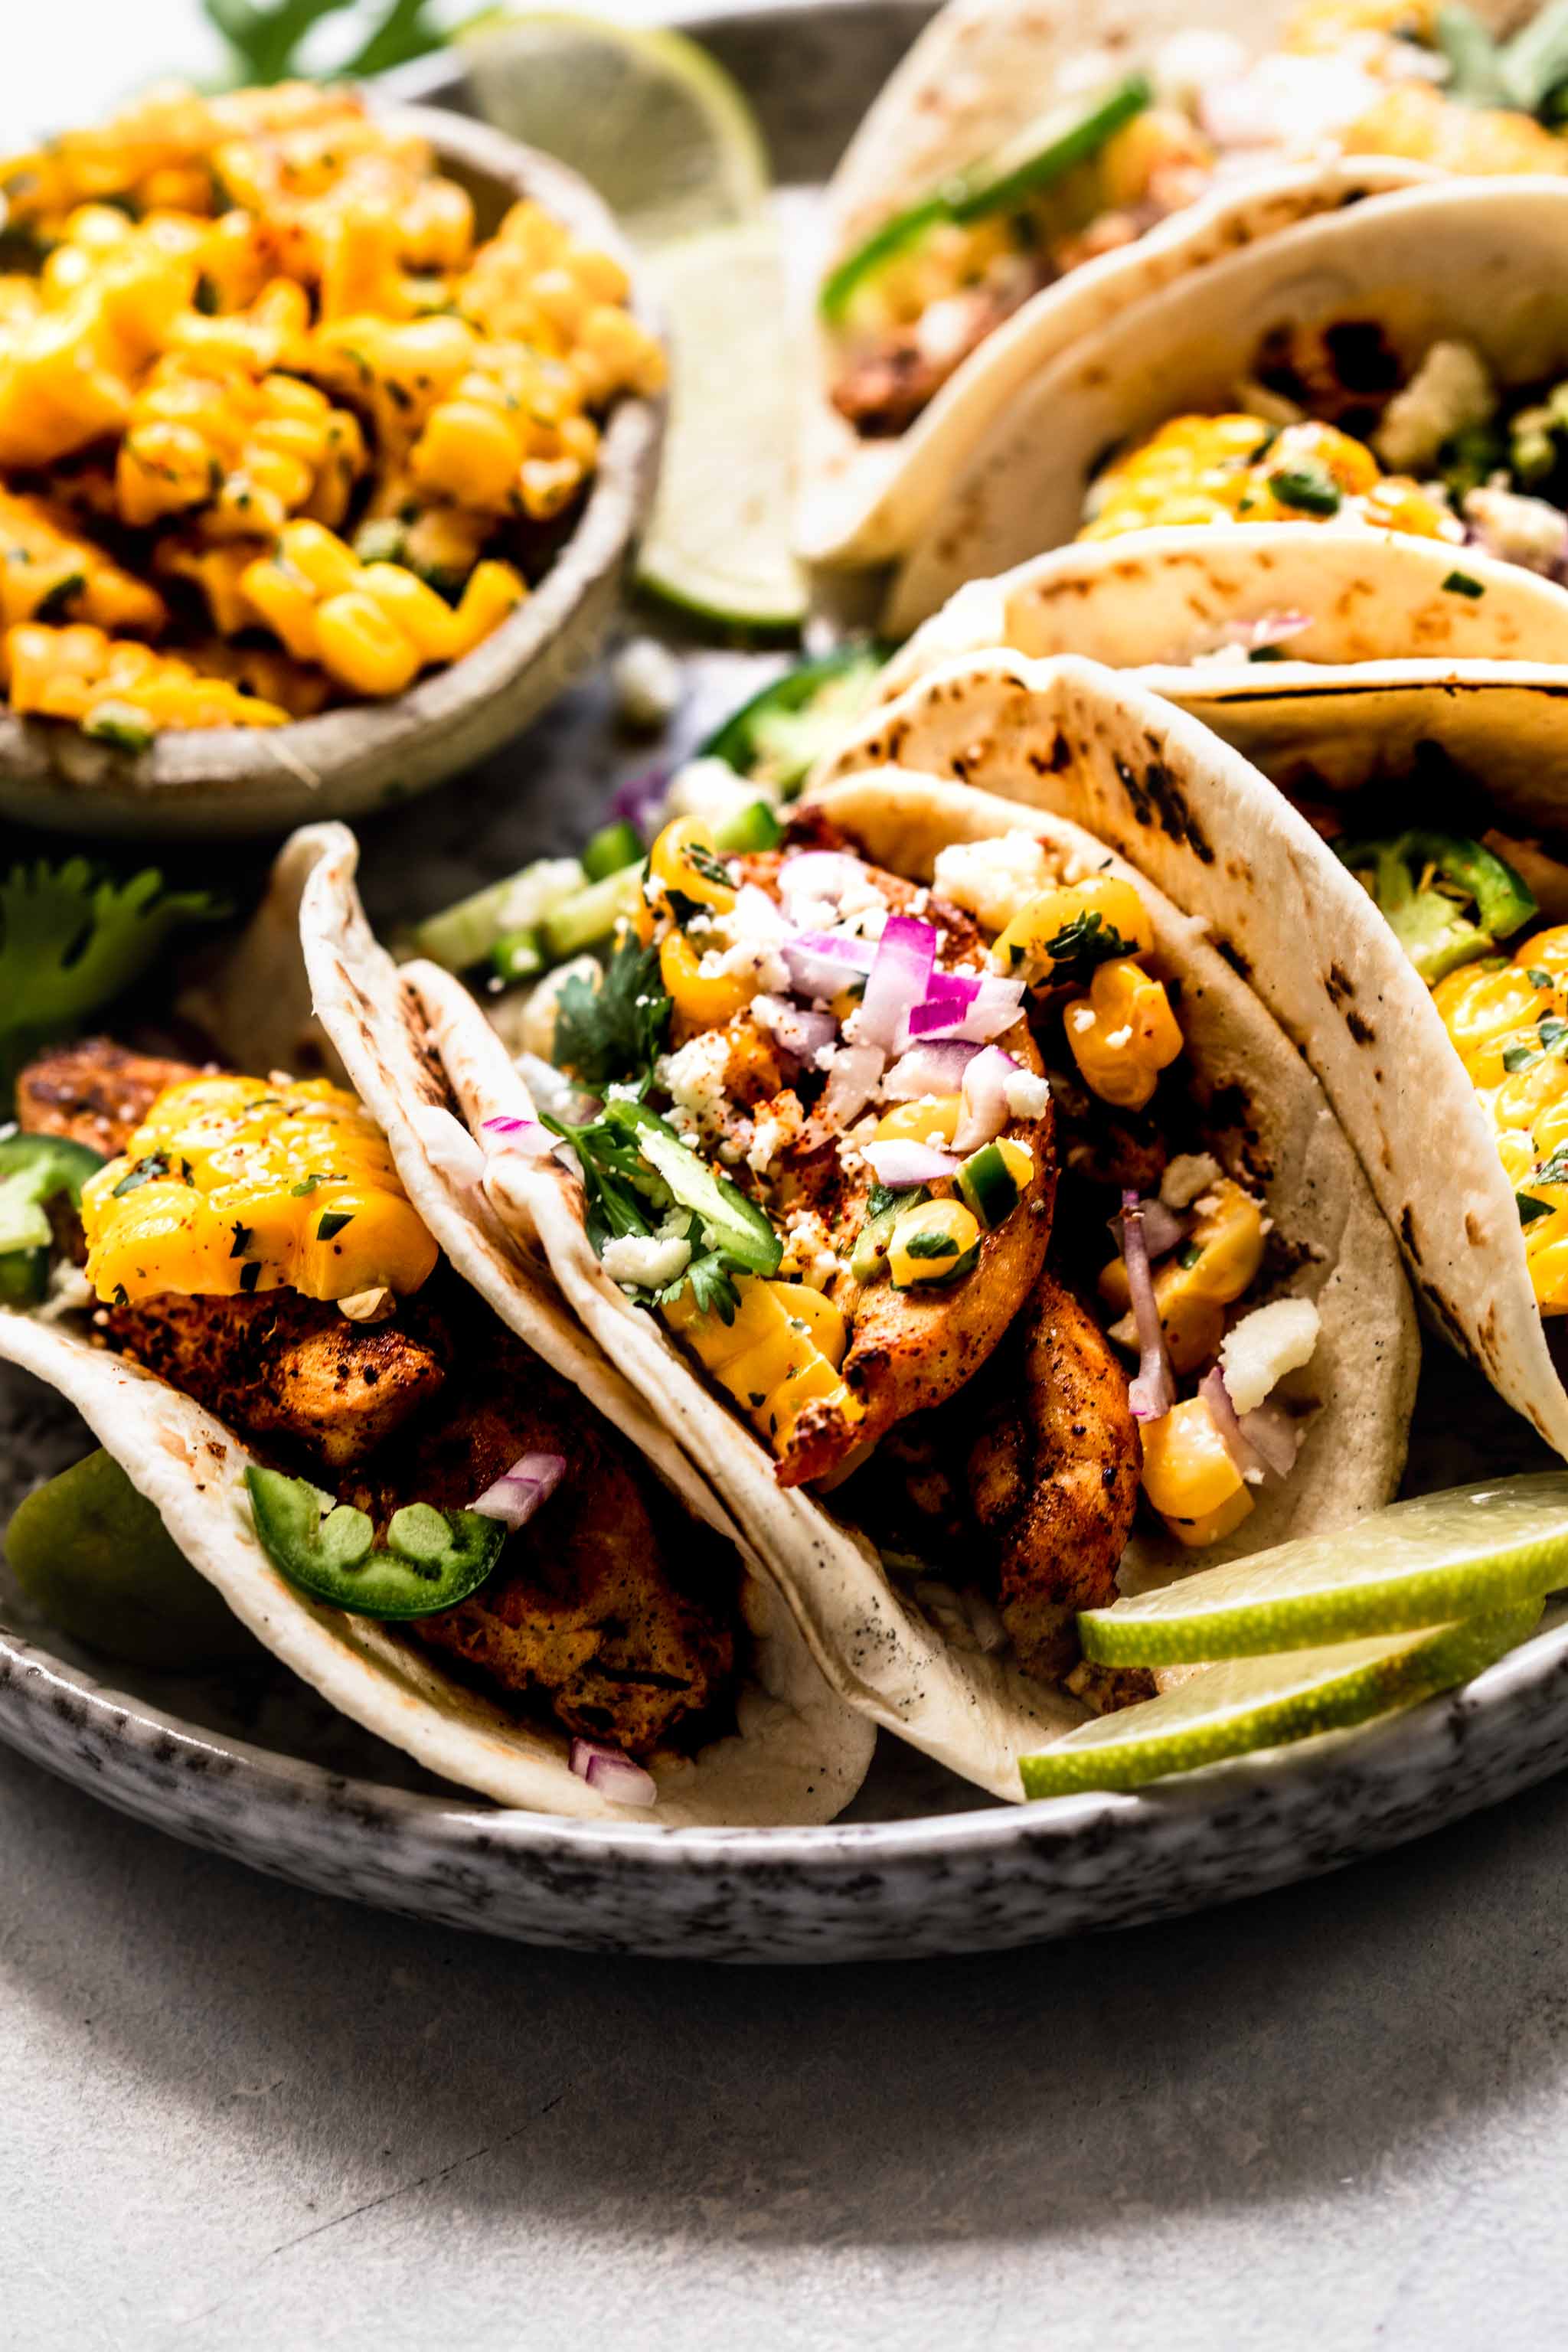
{"x": 119, "y": 689}
{"x": 46, "y": 565}
{"x": 780, "y": 1353}
{"x": 1238, "y": 469}
{"x": 1100, "y": 906}
{"x": 703, "y": 999}
{"x": 1212, "y": 1269}
{"x": 236, "y": 1184}
{"x": 1189, "y": 1476}
{"x": 1508, "y": 1021}
{"x": 930, "y": 1241}
{"x": 1122, "y": 1033}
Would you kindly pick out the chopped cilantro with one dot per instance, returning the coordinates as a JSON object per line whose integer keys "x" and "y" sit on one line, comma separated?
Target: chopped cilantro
{"x": 1188, "y": 1255}
{"x": 1529, "y": 1209}
{"x": 1537, "y": 977}
{"x": 302, "y": 1191}
{"x": 1551, "y": 1031}
{"x": 143, "y": 1172}
{"x": 931, "y": 1244}
{"x": 242, "y": 1239}
{"x": 1081, "y": 946}
{"x": 1311, "y": 489}
{"x": 54, "y": 606}
{"x": 1518, "y": 1058}
{"x": 612, "y": 1033}
{"x": 331, "y": 1223}
{"x": 1460, "y": 583}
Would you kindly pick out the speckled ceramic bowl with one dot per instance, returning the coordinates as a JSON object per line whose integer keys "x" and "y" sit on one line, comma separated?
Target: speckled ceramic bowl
{"x": 257, "y": 1768}
{"x": 201, "y": 784}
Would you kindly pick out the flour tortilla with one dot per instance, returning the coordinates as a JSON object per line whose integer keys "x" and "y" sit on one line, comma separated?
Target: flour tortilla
{"x": 980, "y": 73}
{"x": 976, "y": 1713}
{"x": 1481, "y": 261}
{"x": 1229, "y": 849}
{"x": 798, "y": 1755}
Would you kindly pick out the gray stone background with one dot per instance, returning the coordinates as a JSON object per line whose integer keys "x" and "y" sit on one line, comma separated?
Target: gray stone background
{"x": 236, "y": 2114}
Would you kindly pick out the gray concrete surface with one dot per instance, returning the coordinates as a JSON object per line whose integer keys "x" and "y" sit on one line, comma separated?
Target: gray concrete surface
{"x": 235, "y": 2115}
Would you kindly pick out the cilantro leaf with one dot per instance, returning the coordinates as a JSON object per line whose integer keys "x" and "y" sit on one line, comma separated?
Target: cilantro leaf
{"x": 710, "y": 1279}
{"x": 265, "y": 40}
{"x": 71, "y": 938}
{"x": 1081, "y": 946}
{"x": 611, "y": 1035}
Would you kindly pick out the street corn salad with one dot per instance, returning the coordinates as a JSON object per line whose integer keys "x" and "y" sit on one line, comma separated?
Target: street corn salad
{"x": 1118, "y": 151}
{"x": 1332, "y": 426}
{"x": 276, "y": 428}
{"x": 867, "y": 1150}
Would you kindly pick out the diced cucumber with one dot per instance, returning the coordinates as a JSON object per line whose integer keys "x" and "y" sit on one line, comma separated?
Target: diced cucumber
{"x": 464, "y": 935}
{"x": 611, "y": 848}
{"x": 777, "y": 736}
{"x": 1042, "y": 154}
{"x": 987, "y": 1186}
{"x": 518, "y": 955}
{"x": 589, "y": 916}
{"x": 755, "y": 827}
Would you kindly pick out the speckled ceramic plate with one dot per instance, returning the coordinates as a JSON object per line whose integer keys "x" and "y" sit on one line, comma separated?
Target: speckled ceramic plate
{"x": 257, "y": 1767}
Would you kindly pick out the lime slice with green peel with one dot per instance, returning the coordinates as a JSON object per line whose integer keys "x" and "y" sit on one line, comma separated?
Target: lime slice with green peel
{"x": 1424, "y": 1563}
{"x": 648, "y": 118}
{"x": 718, "y": 542}
{"x": 1247, "y": 1704}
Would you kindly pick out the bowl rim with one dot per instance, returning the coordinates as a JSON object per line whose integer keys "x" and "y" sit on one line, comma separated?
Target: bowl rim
{"x": 95, "y": 781}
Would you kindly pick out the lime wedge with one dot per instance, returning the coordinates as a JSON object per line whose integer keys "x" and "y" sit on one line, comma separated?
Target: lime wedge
{"x": 718, "y": 543}
{"x": 1424, "y": 1563}
{"x": 648, "y": 118}
{"x": 1247, "y": 1704}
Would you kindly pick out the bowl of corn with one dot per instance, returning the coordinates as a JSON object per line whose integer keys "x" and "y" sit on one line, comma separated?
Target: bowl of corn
{"x": 325, "y": 431}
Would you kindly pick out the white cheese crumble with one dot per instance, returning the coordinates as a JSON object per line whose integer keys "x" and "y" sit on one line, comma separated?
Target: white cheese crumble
{"x": 1450, "y": 389}
{"x": 992, "y": 879}
{"x": 645, "y": 679}
{"x": 640, "y": 1262}
{"x": 808, "y": 1252}
{"x": 696, "y": 1080}
{"x": 1187, "y": 1175}
{"x": 1256, "y": 1353}
{"x": 709, "y": 788}
{"x": 1519, "y": 530}
{"x": 1025, "y": 1094}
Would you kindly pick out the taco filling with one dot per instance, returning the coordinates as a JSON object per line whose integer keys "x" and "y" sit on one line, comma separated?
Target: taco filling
{"x": 250, "y": 1242}
{"x": 925, "y": 1183}
{"x": 1336, "y": 429}
{"x": 1399, "y": 78}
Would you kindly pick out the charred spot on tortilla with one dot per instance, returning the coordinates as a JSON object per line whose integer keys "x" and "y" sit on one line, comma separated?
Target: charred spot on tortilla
{"x": 1234, "y": 956}
{"x": 1341, "y": 987}
{"x": 1407, "y": 1231}
{"x": 1361, "y": 1030}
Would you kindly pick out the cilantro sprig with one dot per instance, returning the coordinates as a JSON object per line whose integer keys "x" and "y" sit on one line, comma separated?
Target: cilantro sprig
{"x": 72, "y": 939}
{"x": 266, "y": 40}
{"x": 612, "y": 1035}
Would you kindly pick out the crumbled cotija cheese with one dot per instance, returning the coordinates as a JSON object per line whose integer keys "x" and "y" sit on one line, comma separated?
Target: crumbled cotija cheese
{"x": 992, "y": 879}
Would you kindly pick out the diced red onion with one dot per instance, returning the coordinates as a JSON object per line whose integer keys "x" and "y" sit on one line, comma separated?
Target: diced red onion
{"x": 900, "y": 1164}
{"x": 818, "y": 874}
{"x": 1275, "y": 1436}
{"x": 927, "y": 1070}
{"x": 518, "y": 1492}
{"x": 1153, "y": 1390}
{"x": 641, "y": 799}
{"x": 1269, "y": 629}
{"x": 823, "y": 962}
{"x": 1261, "y": 1443}
{"x": 1163, "y": 1229}
{"x": 524, "y": 1136}
{"x": 806, "y": 1034}
{"x": 984, "y": 1098}
{"x": 614, "y": 1775}
{"x": 451, "y": 1150}
{"x": 900, "y": 979}
{"x": 994, "y": 1007}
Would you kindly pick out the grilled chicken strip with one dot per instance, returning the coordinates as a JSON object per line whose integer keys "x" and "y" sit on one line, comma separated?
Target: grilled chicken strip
{"x": 290, "y": 1370}
{"x": 277, "y": 1366}
{"x": 587, "y": 1610}
{"x": 1053, "y": 1478}
{"x": 95, "y": 1092}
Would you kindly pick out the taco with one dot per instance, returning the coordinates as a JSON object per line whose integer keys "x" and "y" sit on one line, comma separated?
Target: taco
{"x": 1396, "y": 371}
{"x": 967, "y": 1222}
{"x": 1022, "y": 182}
{"x": 1401, "y": 904}
{"x": 364, "y": 1416}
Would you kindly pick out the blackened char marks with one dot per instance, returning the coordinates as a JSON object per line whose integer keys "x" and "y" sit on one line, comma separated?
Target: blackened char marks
{"x": 1158, "y": 798}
